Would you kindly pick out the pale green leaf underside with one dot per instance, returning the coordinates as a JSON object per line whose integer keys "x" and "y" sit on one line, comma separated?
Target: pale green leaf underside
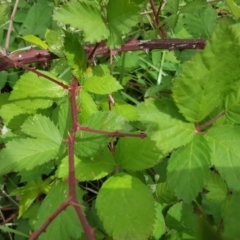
{"x": 39, "y": 126}
{"x": 88, "y": 169}
{"x": 188, "y": 167}
{"x": 126, "y": 207}
{"x": 120, "y": 20}
{"x": 105, "y": 84}
{"x": 165, "y": 125}
{"x": 224, "y": 142}
{"x": 27, "y": 153}
{"x": 209, "y": 74}
{"x": 137, "y": 154}
{"x": 66, "y": 225}
{"x": 85, "y": 17}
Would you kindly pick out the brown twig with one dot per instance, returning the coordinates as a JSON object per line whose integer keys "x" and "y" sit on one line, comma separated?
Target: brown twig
{"x": 44, "y": 56}
{"x": 10, "y": 27}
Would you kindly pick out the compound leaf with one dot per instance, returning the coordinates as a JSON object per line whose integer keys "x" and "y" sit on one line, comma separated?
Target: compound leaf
{"x": 126, "y": 207}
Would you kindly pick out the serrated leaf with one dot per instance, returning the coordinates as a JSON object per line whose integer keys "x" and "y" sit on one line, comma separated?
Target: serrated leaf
{"x": 55, "y": 42}
{"x": 137, "y": 154}
{"x": 171, "y": 7}
{"x": 164, "y": 193}
{"x": 120, "y": 204}
{"x": 193, "y": 6}
{"x": 33, "y": 92}
{"x": 128, "y": 111}
{"x": 66, "y": 225}
{"x": 165, "y": 125}
{"x": 88, "y": 169}
{"x": 181, "y": 218}
{"x": 85, "y": 17}
{"x": 208, "y": 74}
{"x": 23, "y": 154}
{"x": 120, "y": 20}
{"x": 232, "y": 107}
{"x": 104, "y": 84}
{"x": 225, "y": 153}
{"x": 201, "y": 23}
{"x": 88, "y": 143}
{"x": 11, "y": 110}
{"x": 39, "y": 126}
{"x": 188, "y": 167}
{"x": 159, "y": 227}
{"x": 216, "y": 186}
{"x": 76, "y": 61}
{"x": 87, "y": 105}
{"x": 36, "y": 41}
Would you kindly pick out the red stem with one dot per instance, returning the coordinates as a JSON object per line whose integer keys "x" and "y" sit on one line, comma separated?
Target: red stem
{"x": 71, "y": 176}
{"x": 111, "y": 134}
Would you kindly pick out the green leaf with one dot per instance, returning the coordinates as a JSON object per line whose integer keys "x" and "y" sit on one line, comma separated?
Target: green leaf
{"x": 126, "y": 207}
{"x": 120, "y": 20}
{"x": 10, "y": 230}
{"x": 76, "y": 61}
{"x": 66, "y": 225}
{"x": 165, "y": 125}
{"x": 193, "y": 6}
{"x": 104, "y": 84}
{"x": 216, "y": 186}
{"x": 55, "y": 42}
{"x": 30, "y": 192}
{"x": 159, "y": 227}
{"x": 231, "y": 217}
{"x": 88, "y": 169}
{"x": 128, "y": 111}
{"x": 41, "y": 127}
{"x": 164, "y": 193}
{"x": 181, "y": 218}
{"x": 201, "y": 23}
{"x": 33, "y": 92}
{"x": 225, "y": 153}
{"x": 35, "y": 41}
{"x": 235, "y": 9}
{"x": 85, "y": 17}
{"x": 171, "y": 8}
{"x": 232, "y": 107}
{"x": 137, "y": 154}
{"x": 188, "y": 167}
{"x": 86, "y": 104}
{"x": 23, "y": 154}
{"x": 89, "y": 143}
{"x": 34, "y": 22}
{"x": 208, "y": 74}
